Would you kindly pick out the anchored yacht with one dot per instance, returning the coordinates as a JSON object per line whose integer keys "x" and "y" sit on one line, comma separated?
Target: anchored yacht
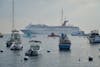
{"x": 94, "y": 37}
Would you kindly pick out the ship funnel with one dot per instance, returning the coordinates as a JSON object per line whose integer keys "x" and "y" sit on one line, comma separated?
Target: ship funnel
{"x": 64, "y": 24}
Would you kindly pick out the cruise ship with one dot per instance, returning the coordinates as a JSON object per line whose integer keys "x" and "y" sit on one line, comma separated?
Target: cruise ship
{"x": 45, "y": 29}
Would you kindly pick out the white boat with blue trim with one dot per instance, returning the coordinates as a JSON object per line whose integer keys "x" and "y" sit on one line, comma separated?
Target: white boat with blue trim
{"x": 64, "y": 42}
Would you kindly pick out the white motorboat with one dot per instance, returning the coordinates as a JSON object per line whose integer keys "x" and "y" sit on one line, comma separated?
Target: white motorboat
{"x": 34, "y": 48}
{"x": 94, "y": 37}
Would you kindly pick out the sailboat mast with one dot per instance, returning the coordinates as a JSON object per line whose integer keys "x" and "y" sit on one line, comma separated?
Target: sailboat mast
{"x": 62, "y": 15}
{"x": 13, "y": 15}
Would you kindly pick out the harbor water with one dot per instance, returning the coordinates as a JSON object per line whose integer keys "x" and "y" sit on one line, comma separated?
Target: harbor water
{"x": 76, "y": 57}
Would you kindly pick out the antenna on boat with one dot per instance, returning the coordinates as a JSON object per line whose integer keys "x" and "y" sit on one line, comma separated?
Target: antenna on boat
{"x": 13, "y": 25}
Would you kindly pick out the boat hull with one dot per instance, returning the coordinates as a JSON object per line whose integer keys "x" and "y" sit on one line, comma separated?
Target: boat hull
{"x": 33, "y": 29}
{"x": 79, "y": 33}
{"x": 14, "y": 47}
{"x": 9, "y": 43}
{"x": 64, "y": 46}
{"x": 1, "y": 36}
{"x": 93, "y": 40}
{"x": 53, "y": 35}
{"x": 31, "y": 53}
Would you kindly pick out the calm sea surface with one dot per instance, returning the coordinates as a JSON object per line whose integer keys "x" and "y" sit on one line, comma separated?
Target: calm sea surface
{"x": 77, "y": 57}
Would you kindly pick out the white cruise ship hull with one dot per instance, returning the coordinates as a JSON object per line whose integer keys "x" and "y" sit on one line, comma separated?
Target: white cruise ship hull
{"x": 44, "y": 29}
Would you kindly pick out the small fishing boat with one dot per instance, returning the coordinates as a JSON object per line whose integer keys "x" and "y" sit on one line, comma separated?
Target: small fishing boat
{"x": 53, "y": 35}
{"x": 94, "y": 37}
{"x": 64, "y": 43}
{"x": 34, "y": 48}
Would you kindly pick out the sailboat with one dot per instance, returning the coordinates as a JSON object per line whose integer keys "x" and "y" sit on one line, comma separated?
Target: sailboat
{"x": 15, "y": 40}
{"x": 15, "y": 36}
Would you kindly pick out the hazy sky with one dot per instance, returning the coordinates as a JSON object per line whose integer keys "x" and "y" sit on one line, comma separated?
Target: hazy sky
{"x": 82, "y": 13}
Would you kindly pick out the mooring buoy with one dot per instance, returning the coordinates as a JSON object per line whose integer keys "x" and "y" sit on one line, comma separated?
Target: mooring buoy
{"x": 48, "y": 51}
{"x": 90, "y": 58}
{"x": 25, "y": 58}
{"x": 1, "y": 51}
